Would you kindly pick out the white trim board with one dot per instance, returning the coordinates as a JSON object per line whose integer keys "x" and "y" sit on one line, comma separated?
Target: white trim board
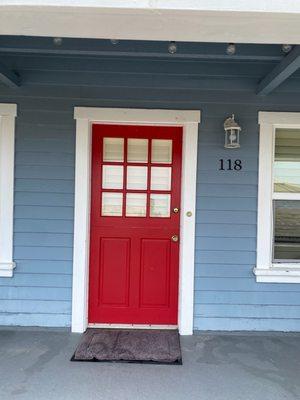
{"x": 266, "y": 270}
{"x": 224, "y": 21}
{"x": 280, "y": 6}
{"x": 85, "y": 117}
{"x": 8, "y": 113}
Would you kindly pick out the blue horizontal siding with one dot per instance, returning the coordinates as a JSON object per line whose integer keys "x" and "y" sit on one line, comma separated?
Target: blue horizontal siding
{"x": 43, "y": 199}
{"x": 52, "y": 117}
{"x": 229, "y": 284}
{"x": 35, "y": 319}
{"x": 43, "y": 225}
{"x": 45, "y": 186}
{"x": 251, "y": 310}
{"x": 44, "y": 172}
{"x": 43, "y": 253}
{"x": 36, "y": 306}
{"x": 247, "y": 324}
{"x": 217, "y": 177}
{"x": 215, "y": 270}
{"x": 224, "y": 244}
{"x": 226, "y": 230}
{"x": 44, "y": 158}
{"x": 31, "y": 266}
{"x": 204, "y": 297}
{"x": 221, "y": 217}
{"x": 226, "y": 256}
{"x": 222, "y": 190}
{"x": 228, "y": 203}
{"x": 227, "y": 296}
{"x": 44, "y": 239}
{"x": 39, "y": 280}
{"x": 66, "y": 146}
{"x": 39, "y": 212}
{"x": 35, "y": 293}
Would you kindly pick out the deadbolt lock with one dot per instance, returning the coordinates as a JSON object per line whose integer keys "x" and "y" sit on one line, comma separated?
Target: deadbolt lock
{"x": 175, "y": 238}
{"x": 175, "y": 210}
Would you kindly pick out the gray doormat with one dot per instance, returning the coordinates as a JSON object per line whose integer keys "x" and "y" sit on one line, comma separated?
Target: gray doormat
{"x": 129, "y": 345}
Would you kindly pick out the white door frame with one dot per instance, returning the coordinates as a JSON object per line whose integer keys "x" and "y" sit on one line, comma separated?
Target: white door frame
{"x": 85, "y": 117}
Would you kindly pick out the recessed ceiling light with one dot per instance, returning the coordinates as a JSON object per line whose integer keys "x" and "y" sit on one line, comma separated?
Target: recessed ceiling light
{"x": 172, "y": 47}
{"x": 286, "y": 48}
{"x": 231, "y": 49}
{"x": 57, "y": 41}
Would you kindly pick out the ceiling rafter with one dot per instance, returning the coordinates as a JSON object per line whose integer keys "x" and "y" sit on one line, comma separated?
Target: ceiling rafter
{"x": 280, "y": 73}
{"x": 9, "y": 77}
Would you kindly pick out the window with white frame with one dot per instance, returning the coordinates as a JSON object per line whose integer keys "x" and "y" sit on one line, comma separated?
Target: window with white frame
{"x": 278, "y": 222}
{"x": 7, "y": 150}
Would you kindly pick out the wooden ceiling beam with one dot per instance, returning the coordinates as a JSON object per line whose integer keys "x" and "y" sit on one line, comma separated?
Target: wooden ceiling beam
{"x": 280, "y": 73}
{"x": 9, "y": 77}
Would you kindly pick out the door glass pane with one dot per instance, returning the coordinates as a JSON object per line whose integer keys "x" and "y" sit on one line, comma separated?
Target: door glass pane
{"x": 136, "y": 204}
{"x": 160, "y": 178}
{"x": 113, "y": 149}
{"x": 112, "y": 177}
{"x": 161, "y": 151}
{"x": 159, "y": 205}
{"x": 112, "y": 204}
{"x": 287, "y": 161}
{"x": 287, "y": 230}
{"x": 137, "y": 178}
{"x": 137, "y": 150}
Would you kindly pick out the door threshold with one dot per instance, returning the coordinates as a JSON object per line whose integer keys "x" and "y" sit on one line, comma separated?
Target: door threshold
{"x": 132, "y": 326}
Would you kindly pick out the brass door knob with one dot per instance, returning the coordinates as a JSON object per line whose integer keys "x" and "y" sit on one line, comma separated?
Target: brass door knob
{"x": 175, "y": 210}
{"x": 175, "y": 238}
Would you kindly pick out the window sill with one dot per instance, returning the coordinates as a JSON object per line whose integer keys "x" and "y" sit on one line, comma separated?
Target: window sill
{"x": 286, "y": 273}
{"x": 7, "y": 269}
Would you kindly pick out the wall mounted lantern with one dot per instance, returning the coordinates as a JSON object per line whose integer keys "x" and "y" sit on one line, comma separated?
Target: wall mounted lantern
{"x": 232, "y": 133}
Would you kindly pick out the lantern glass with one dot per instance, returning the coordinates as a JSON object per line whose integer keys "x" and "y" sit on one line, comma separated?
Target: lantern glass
{"x": 232, "y": 138}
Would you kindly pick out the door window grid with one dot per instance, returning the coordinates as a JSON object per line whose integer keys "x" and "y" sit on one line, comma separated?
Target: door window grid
{"x": 158, "y": 197}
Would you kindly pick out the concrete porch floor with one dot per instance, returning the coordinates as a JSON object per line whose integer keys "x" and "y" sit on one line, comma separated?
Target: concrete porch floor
{"x": 34, "y": 364}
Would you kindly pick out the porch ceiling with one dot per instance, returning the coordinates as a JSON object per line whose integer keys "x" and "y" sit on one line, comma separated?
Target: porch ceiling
{"x": 29, "y": 60}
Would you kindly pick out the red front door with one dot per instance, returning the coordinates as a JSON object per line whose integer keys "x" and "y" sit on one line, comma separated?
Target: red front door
{"x": 134, "y": 251}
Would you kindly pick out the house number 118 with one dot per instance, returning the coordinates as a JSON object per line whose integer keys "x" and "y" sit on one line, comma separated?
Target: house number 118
{"x": 230, "y": 165}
